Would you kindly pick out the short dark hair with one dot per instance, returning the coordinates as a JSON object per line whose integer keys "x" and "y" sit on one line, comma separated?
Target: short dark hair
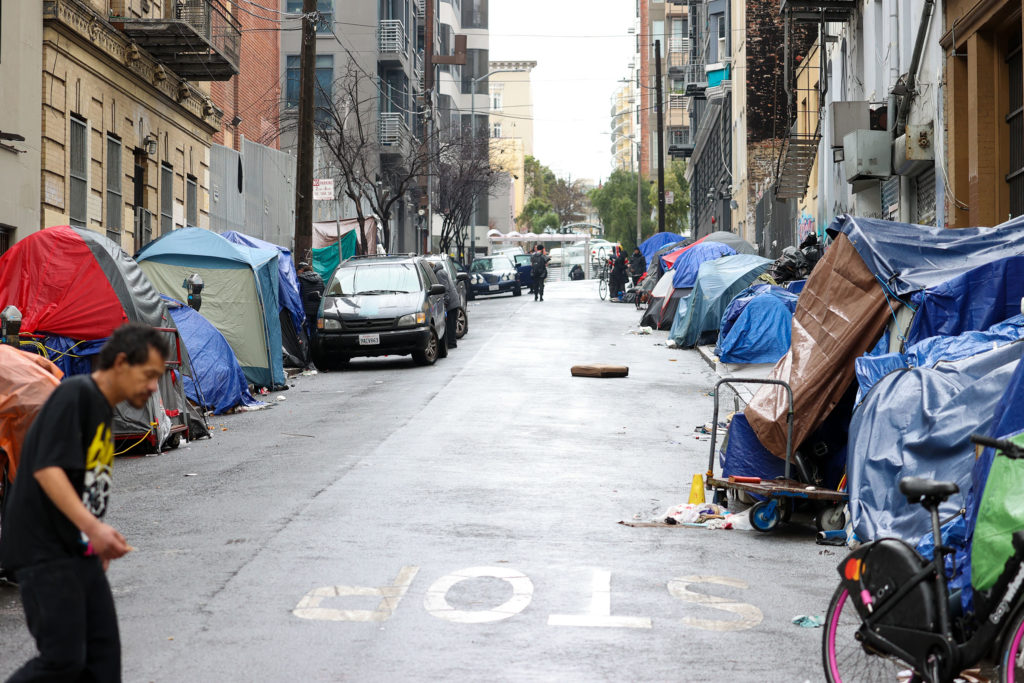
{"x": 134, "y": 340}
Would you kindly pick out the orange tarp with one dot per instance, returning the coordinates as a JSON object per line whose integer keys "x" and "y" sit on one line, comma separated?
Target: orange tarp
{"x": 26, "y": 381}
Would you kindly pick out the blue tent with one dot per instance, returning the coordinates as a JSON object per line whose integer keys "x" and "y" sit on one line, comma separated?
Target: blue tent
{"x": 221, "y": 382}
{"x": 717, "y": 282}
{"x": 756, "y": 326}
{"x": 239, "y": 298}
{"x": 656, "y": 242}
{"x": 289, "y": 300}
{"x": 686, "y": 266}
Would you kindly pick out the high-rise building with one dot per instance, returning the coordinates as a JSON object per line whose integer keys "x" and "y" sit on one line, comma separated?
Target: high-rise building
{"x": 623, "y": 128}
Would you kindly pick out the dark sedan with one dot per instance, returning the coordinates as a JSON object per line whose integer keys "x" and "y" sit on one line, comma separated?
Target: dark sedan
{"x": 494, "y": 275}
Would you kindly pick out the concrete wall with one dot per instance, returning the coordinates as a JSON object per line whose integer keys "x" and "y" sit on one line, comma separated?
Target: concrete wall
{"x": 265, "y": 205}
{"x": 21, "y": 56}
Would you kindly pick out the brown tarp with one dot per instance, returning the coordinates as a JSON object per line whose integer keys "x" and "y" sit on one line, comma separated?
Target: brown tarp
{"x": 26, "y": 381}
{"x": 839, "y": 316}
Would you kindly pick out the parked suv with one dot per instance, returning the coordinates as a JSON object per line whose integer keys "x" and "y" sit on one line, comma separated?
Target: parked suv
{"x": 461, "y": 281}
{"x": 380, "y": 305}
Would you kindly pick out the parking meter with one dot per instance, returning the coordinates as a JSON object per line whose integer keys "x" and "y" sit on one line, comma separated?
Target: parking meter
{"x": 10, "y": 326}
{"x": 194, "y": 286}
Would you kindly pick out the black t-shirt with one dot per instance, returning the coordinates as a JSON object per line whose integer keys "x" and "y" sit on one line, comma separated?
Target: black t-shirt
{"x": 73, "y": 432}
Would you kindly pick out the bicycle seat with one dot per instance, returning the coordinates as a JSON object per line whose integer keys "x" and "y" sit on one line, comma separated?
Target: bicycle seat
{"x": 918, "y": 488}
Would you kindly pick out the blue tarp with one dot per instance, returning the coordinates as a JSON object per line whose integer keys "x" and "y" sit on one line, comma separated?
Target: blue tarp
{"x": 684, "y": 270}
{"x": 756, "y": 326}
{"x": 222, "y": 384}
{"x": 918, "y": 423}
{"x": 908, "y": 258}
{"x": 717, "y": 282}
{"x": 795, "y": 286}
{"x": 928, "y": 352}
{"x": 744, "y": 456}
{"x": 974, "y": 300}
{"x": 656, "y": 242}
{"x": 287, "y": 280}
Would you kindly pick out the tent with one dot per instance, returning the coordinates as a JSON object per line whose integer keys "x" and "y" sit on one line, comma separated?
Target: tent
{"x": 219, "y": 383}
{"x": 675, "y": 285}
{"x": 661, "y": 307}
{"x": 686, "y": 266}
{"x": 289, "y": 301}
{"x": 656, "y": 242}
{"x": 26, "y": 381}
{"x": 656, "y": 267}
{"x": 845, "y": 306}
{"x": 755, "y": 328}
{"x": 74, "y": 287}
{"x": 718, "y": 281}
{"x": 733, "y": 240}
{"x": 326, "y": 237}
{"x": 239, "y": 298}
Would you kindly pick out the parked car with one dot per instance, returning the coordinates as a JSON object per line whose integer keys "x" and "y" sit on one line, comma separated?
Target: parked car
{"x": 600, "y": 249}
{"x": 461, "y": 280}
{"x": 380, "y": 305}
{"x": 493, "y": 275}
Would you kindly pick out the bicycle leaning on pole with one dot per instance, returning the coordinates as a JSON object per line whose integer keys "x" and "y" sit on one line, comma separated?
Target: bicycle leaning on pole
{"x": 891, "y": 611}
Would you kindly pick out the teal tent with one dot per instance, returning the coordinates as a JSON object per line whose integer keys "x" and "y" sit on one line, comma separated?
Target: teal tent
{"x": 239, "y": 296}
{"x": 718, "y": 281}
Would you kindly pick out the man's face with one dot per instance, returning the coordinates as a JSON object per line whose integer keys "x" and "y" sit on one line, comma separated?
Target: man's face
{"x": 136, "y": 383}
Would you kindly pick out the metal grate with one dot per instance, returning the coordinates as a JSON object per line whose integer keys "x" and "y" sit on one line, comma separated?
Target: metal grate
{"x": 166, "y": 199}
{"x": 924, "y": 212}
{"x": 391, "y": 36}
{"x": 77, "y": 181}
{"x": 891, "y": 198}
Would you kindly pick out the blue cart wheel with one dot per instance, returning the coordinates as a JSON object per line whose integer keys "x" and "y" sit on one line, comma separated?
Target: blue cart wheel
{"x": 764, "y": 516}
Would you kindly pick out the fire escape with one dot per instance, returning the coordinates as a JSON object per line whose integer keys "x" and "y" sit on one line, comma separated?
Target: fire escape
{"x": 805, "y": 92}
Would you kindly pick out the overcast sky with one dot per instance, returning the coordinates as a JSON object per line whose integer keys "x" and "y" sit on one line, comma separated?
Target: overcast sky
{"x": 575, "y": 76}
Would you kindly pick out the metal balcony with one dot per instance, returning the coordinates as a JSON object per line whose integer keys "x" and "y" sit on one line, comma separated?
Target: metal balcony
{"x": 198, "y": 39}
{"x": 815, "y": 11}
{"x": 394, "y": 130}
{"x": 392, "y": 43}
{"x": 420, "y": 7}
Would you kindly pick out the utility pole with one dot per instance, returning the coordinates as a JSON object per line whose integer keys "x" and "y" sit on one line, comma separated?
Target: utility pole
{"x": 304, "y": 161}
{"x": 661, "y": 137}
{"x": 639, "y": 219}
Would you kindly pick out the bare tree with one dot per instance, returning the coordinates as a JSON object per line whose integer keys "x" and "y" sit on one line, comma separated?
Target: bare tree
{"x": 464, "y": 172}
{"x": 568, "y": 199}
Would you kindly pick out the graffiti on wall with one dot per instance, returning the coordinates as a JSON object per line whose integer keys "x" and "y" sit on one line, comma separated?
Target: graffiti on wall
{"x": 806, "y": 226}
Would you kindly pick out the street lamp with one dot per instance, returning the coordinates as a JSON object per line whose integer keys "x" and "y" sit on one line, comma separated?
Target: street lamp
{"x": 472, "y": 123}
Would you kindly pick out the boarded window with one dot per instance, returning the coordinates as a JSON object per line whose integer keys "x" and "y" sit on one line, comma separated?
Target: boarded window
{"x": 115, "y": 204}
{"x": 166, "y": 199}
{"x": 191, "y": 201}
{"x": 78, "y": 183}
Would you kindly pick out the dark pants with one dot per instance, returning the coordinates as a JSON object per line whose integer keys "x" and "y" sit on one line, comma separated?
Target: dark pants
{"x": 451, "y": 321}
{"x": 616, "y": 283}
{"x": 538, "y": 287}
{"x": 70, "y": 612}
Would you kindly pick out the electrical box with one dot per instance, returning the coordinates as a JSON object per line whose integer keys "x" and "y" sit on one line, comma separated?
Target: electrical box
{"x": 914, "y": 151}
{"x": 867, "y": 155}
{"x": 846, "y": 117}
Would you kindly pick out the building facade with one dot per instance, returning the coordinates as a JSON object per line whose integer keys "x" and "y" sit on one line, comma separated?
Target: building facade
{"x": 21, "y": 62}
{"x": 511, "y": 129}
{"x": 623, "y": 129}
{"x": 127, "y": 119}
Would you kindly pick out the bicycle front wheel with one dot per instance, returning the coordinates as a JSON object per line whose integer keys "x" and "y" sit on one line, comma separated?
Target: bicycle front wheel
{"x": 602, "y": 289}
{"x": 1011, "y": 665}
{"x": 845, "y": 658}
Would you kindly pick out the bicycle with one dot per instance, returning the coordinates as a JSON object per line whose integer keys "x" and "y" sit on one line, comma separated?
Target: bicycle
{"x": 603, "y": 275}
{"x": 891, "y": 611}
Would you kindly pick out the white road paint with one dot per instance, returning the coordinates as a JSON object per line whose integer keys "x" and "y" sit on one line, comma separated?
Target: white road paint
{"x": 436, "y": 600}
{"x": 600, "y": 613}
{"x": 309, "y": 607}
{"x": 749, "y": 616}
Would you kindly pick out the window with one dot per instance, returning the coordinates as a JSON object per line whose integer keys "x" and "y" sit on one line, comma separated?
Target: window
{"x": 322, "y": 91}
{"x": 6, "y": 237}
{"x": 115, "y": 204}
{"x": 191, "y": 202}
{"x": 1015, "y": 123}
{"x": 77, "y": 181}
{"x": 166, "y": 199}
{"x": 496, "y": 99}
{"x": 324, "y": 7}
{"x": 496, "y": 129}
{"x": 474, "y": 14}
{"x": 676, "y": 136}
{"x": 476, "y": 66}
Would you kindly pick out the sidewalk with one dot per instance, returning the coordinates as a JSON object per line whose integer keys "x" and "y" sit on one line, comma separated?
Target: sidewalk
{"x": 738, "y": 370}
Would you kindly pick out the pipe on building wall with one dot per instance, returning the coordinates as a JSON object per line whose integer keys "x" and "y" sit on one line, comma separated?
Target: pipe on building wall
{"x": 915, "y": 64}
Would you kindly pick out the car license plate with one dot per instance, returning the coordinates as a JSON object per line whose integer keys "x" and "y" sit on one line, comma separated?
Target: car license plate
{"x": 493, "y": 288}
{"x": 369, "y": 339}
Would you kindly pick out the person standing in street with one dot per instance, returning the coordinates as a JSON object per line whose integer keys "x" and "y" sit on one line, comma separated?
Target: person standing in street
{"x": 617, "y": 280}
{"x": 53, "y": 537}
{"x": 539, "y": 271}
{"x": 452, "y": 304}
{"x": 637, "y": 265}
{"x": 311, "y": 290}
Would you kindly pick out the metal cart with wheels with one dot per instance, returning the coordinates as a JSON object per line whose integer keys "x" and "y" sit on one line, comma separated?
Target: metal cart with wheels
{"x": 777, "y": 495}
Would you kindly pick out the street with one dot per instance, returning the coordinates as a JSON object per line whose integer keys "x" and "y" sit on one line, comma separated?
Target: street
{"x": 458, "y": 522}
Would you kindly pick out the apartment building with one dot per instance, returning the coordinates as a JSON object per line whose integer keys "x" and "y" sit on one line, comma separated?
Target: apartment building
{"x": 387, "y": 62}
{"x": 511, "y": 133}
{"x": 623, "y": 128}
{"x": 127, "y": 118}
{"x": 21, "y": 62}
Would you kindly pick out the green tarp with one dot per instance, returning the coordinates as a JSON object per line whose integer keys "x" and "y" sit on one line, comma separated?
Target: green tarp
{"x": 325, "y": 260}
{"x": 1001, "y": 513}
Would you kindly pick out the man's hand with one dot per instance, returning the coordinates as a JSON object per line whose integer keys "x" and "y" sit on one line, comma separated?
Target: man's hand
{"x": 107, "y": 542}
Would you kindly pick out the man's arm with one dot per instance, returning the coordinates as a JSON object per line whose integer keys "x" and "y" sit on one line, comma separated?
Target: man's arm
{"x": 106, "y": 541}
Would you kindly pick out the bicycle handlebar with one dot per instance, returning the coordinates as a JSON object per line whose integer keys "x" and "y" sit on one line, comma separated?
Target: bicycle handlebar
{"x": 1009, "y": 449}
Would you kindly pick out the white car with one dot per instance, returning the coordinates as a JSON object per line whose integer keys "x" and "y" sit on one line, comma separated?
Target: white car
{"x": 600, "y": 249}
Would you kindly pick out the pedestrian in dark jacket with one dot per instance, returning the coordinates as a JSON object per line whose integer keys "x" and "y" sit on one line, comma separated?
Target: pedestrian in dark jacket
{"x": 311, "y": 291}
{"x": 617, "y": 281}
{"x": 452, "y": 304}
{"x": 54, "y": 537}
{"x": 637, "y": 265}
{"x": 539, "y": 271}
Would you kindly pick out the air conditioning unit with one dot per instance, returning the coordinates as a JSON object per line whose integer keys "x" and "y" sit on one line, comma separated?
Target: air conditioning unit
{"x": 722, "y": 56}
{"x": 867, "y": 154}
{"x": 914, "y": 151}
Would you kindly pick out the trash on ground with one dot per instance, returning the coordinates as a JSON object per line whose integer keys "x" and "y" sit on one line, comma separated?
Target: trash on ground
{"x": 806, "y": 621}
{"x": 643, "y": 329}
{"x": 599, "y": 370}
{"x": 192, "y": 474}
{"x": 281, "y": 398}
{"x": 308, "y": 373}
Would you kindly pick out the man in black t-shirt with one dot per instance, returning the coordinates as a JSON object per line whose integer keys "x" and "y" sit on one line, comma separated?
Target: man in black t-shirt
{"x": 53, "y": 536}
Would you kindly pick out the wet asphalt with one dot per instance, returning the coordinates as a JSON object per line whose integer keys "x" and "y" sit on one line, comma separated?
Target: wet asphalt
{"x": 458, "y": 522}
